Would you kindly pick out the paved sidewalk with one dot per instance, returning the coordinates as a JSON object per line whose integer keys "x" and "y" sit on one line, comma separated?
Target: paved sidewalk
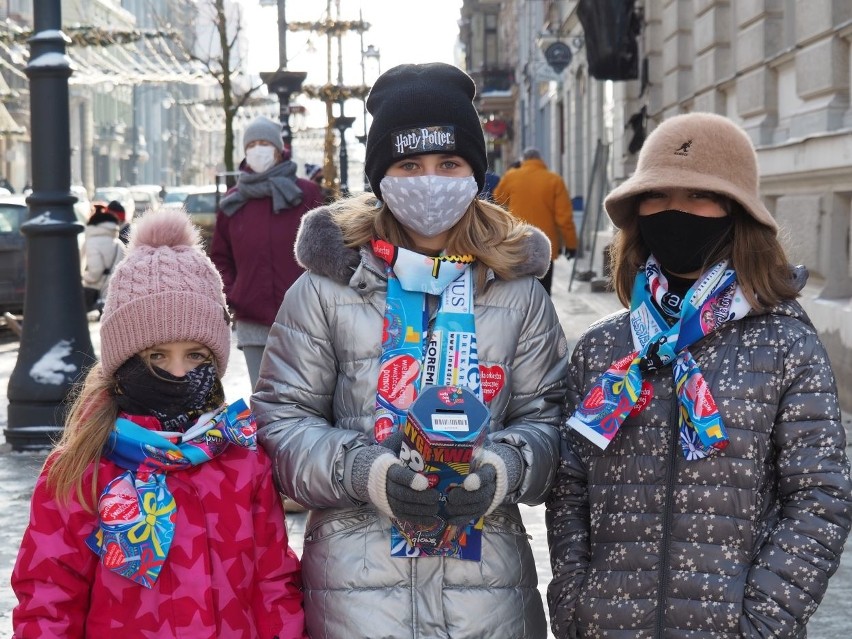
{"x": 577, "y": 309}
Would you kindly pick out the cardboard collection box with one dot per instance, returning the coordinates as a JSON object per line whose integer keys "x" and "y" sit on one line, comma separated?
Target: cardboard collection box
{"x": 445, "y": 425}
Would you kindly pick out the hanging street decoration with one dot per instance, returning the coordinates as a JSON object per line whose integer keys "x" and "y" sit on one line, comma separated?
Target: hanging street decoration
{"x": 330, "y": 27}
{"x": 335, "y": 92}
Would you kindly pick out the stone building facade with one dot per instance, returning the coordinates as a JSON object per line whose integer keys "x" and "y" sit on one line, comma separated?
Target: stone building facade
{"x": 779, "y": 68}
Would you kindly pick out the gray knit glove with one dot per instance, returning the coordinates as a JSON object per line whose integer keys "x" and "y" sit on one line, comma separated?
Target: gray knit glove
{"x": 380, "y": 478}
{"x": 496, "y": 472}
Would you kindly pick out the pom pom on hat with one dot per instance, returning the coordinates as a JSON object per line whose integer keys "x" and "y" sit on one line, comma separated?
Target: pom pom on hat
{"x": 263, "y": 128}
{"x": 166, "y": 289}
{"x": 423, "y": 108}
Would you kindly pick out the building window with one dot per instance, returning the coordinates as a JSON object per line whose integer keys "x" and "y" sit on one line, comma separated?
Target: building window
{"x": 490, "y": 34}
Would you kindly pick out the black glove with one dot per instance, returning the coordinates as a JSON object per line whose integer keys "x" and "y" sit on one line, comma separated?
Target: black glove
{"x": 569, "y": 253}
{"x": 380, "y": 478}
{"x": 497, "y": 471}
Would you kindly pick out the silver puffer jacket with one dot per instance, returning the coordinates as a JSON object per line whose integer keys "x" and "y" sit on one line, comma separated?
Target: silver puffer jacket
{"x": 314, "y": 403}
{"x": 740, "y": 544}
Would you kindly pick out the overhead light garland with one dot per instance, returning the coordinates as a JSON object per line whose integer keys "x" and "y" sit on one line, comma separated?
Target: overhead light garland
{"x": 330, "y": 27}
{"x": 85, "y": 36}
{"x": 127, "y": 56}
{"x": 335, "y": 92}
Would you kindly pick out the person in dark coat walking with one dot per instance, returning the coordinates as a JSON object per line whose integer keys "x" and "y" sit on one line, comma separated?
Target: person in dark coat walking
{"x": 117, "y": 209}
{"x": 704, "y": 486}
{"x": 255, "y": 230}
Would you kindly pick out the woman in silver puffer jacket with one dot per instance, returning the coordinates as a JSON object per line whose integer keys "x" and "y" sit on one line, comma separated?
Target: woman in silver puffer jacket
{"x": 342, "y": 367}
{"x": 704, "y": 487}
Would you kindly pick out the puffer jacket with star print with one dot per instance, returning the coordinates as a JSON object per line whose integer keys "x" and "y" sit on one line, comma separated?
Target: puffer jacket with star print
{"x": 229, "y": 571}
{"x": 742, "y": 544}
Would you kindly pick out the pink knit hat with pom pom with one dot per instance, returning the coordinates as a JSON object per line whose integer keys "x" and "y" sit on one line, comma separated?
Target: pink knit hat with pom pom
{"x": 165, "y": 290}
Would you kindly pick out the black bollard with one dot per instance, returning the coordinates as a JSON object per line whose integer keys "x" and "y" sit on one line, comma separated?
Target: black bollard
{"x": 55, "y": 343}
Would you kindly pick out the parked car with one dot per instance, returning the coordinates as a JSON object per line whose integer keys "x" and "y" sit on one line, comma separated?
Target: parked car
{"x": 146, "y": 197}
{"x": 176, "y": 195}
{"x": 120, "y": 193}
{"x": 13, "y": 213}
{"x": 13, "y": 262}
{"x": 201, "y": 206}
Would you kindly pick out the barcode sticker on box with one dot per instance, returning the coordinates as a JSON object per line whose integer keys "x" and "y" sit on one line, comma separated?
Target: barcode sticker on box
{"x": 454, "y": 423}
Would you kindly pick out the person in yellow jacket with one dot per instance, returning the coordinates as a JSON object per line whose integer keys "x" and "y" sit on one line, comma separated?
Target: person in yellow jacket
{"x": 539, "y": 197}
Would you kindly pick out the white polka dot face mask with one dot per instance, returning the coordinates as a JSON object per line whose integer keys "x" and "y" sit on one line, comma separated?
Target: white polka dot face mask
{"x": 428, "y": 204}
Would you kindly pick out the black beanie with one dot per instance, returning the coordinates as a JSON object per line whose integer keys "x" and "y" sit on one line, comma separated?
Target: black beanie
{"x": 423, "y": 108}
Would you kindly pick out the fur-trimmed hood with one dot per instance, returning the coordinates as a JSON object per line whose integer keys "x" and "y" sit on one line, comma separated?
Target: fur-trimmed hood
{"x": 320, "y": 248}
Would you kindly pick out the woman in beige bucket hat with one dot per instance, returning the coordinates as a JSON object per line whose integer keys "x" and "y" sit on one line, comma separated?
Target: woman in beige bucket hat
{"x": 704, "y": 488}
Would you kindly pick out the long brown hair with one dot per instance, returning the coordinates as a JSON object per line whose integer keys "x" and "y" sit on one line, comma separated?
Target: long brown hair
{"x": 487, "y": 231}
{"x": 754, "y": 251}
{"x": 88, "y": 425}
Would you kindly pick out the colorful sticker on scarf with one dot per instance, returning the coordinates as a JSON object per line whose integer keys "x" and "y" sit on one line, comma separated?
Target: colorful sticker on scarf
{"x": 646, "y": 394}
{"x": 403, "y": 337}
{"x": 662, "y": 337}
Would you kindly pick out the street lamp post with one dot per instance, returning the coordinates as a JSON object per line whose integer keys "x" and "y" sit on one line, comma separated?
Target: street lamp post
{"x": 134, "y": 149}
{"x": 282, "y": 82}
{"x": 55, "y": 346}
{"x": 341, "y": 124}
{"x": 371, "y": 53}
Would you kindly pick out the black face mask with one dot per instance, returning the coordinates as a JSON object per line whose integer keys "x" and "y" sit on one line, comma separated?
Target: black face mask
{"x": 682, "y": 242}
{"x": 175, "y": 401}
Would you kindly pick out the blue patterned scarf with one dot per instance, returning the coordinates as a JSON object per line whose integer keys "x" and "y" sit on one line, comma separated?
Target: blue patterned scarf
{"x": 407, "y": 361}
{"x": 137, "y": 510}
{"x": 663, "y": 328}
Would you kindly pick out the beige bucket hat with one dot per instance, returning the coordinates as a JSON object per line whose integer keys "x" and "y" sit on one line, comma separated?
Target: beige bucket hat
{"x": 694, "y": 151}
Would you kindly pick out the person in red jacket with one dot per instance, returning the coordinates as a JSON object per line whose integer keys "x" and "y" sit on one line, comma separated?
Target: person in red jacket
{"x": 156, "y": 514}
{"x": 255, "y": 231}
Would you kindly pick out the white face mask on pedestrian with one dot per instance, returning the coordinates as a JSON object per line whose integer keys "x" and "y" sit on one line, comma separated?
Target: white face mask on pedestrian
{"x": 428, "y": 204}
{"x": 260, "y": 158}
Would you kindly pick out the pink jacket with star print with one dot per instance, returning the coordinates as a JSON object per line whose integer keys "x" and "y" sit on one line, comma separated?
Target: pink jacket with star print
{"x": 229, "y": 573}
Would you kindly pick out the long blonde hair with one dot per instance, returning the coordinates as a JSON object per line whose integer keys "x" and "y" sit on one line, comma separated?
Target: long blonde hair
{"x": 496, "y": 238}
{"x": 90, "y": 420}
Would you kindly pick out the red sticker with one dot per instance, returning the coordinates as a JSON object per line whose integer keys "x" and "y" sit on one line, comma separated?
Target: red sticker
{"x": 595, "y": 399}
{"x": 120, "y": 505}
{"x": 396, "y": 381}
{"x": 113, "y": 557}
{"x": 492, "y": 379}
{"x": 645, "y": 397}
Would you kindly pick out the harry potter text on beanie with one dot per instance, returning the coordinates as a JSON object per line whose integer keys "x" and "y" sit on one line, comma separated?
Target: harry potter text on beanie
{"x": 165, "y": 290}
{"x": 423, "y": 108}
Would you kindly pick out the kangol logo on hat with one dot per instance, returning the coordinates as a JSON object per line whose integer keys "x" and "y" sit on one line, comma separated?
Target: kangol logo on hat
{"x": 683, "y": 149}
{"x": 423, "y": 140}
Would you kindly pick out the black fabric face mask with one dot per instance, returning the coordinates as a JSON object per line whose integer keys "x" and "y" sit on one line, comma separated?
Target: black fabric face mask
{"x": 681, "y": 241}
{"x": 175, "y": 401}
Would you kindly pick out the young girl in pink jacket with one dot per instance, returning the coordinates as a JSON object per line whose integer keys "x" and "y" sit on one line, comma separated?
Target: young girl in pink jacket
{"x": 156, "y": 514}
